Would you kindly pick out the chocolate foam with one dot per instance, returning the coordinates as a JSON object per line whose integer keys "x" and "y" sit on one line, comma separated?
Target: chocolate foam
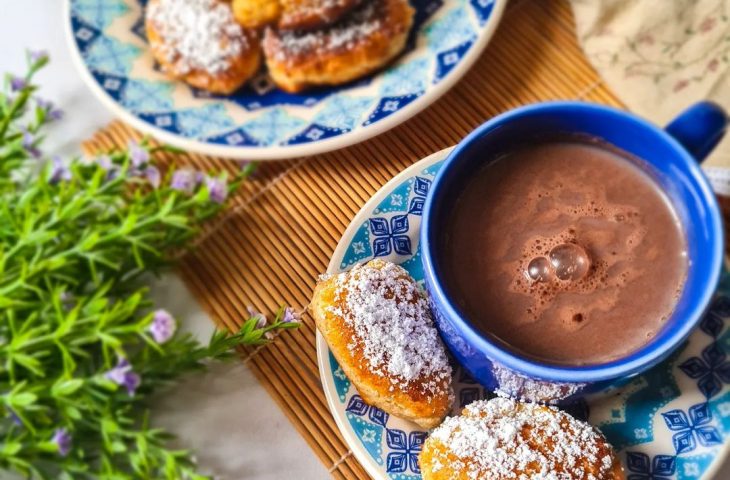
{"x": 538, "y": 197}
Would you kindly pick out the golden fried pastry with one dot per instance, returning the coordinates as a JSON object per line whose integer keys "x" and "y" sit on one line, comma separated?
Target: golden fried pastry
{"x": 363, "y": 41}
{"x": 312, "y": 14}
{"x": 376, "y": 320}
{"x": 503, "y": 439}
{"x": 200, "y": 42}
{"x": 256, "y": 13}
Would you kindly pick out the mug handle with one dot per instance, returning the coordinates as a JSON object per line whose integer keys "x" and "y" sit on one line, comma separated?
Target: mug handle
{"x": 699, "y": 128}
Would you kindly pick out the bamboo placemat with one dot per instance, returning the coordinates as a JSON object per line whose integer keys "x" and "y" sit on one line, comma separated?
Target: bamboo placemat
{"x": 282, "y": 227}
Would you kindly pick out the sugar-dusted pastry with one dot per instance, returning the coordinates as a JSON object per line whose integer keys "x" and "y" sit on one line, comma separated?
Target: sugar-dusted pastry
{"x": 311, "y": 14}
{"x": 362, "y": 42}
{"x": 377, "y": 323}
{"x": 256, "y": 13}
{"x": 502, "y": 439}
{"x": 200, "y": 42}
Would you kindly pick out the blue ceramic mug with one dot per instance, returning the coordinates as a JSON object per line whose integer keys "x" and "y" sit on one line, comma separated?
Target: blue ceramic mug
{"x": 673, "y": 154}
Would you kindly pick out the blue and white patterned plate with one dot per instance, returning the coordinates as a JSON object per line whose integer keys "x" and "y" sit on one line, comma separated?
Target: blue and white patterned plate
{"x": 672, "y": 422}
{"x": 260, "y": 122}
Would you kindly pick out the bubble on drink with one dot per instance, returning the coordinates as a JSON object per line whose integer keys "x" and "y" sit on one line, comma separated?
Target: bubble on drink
{"x": 539, "y": 269}
{"x": 569, "y": 261}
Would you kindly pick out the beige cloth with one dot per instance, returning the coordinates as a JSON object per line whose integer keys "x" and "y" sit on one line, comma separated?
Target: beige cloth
{"x": 660, "y": 56}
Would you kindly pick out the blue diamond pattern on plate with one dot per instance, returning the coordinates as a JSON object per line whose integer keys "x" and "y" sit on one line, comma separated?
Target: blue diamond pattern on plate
{"x": 710, "y": 370}
{"x": 204, "y": 121}
{"x": 343, "y": 112}
{"x": 99, "y": 13}
{"x": 662, "y": 423}
{"x": 147, "y": 96}
{"x": 110, "y": 37}
{"x": 111, "y": 56}
{"x": 421, "y": 187}
{"x": 406, "y": 79}
{"x": 640, "y": 467}
{"x": 313, "y": 133}
{"x": 483, "y": 9}
{"x": 404, "y": 450}
{"x": 273, "y": 126}
{"x": 713, "y": 322}
{"x": 390, "y": 236}
{"x": 387, "y": 106}
{"x": 693, "y": 428}
{"x": 448, "y": 59}
{"x": 449, "y": 31}
{"x": 357, "y": 406}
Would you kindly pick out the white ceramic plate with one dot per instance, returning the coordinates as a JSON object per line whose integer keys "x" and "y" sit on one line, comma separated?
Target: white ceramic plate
{"x": 260, "y": 122}
{"x": 673, "y": 422}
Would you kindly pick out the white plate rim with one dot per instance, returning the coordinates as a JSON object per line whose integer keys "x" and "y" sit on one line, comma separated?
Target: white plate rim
{"x": 270, "y": 153}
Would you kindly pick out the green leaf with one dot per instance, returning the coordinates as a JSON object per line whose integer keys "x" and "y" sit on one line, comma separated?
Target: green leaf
{"x": 129, "y": 223}
{"x": 96, "y": 239}
{"x": 118, "y": 447}
{"x": 109, "y": 426}
{"x": 47, "y": 446}
{"x": 73, "y": 412}
{"x": 11, "y": 448}
{"x": 28, "y": 362}
{"x": 22, "y": 399}
{"x": 63, "y": 388}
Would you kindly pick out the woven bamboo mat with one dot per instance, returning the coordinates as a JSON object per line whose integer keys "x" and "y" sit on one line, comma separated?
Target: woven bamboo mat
{"x": 282, "y": 227}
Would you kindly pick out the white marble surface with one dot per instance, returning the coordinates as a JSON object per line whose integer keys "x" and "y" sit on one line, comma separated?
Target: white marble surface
{"x": 226, "y": 416}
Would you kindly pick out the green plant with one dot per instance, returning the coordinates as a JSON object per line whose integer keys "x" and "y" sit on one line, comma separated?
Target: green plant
{"x": 81, "y": 347}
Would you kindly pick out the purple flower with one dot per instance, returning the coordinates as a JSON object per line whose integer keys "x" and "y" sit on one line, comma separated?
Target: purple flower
{"x": 63, "y": 441}
{"x": 163, "y": 326}
{"x": 261, "y": 318}
{"x": 105, "y": 162}
{"x": 38, "y": 56}
{"x": 17, "y": 83}
{"x": 59, "y": 171}
{"x": 124, "y": 376}
{"x": 183, "y": 180}
{"x": 290, "y": 316}
{"x": 153, "y": 176}
{"x": 28, "y": 143}
{"x": 217, "y": 189}
{"x": 138, "y": 155}
{"x": 51, "y": 112}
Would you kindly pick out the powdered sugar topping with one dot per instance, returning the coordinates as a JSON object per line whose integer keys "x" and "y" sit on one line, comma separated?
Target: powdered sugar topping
{"x": 346, "y": 34}
{"x": 197, "y": 34}
{"x": 393, "y": 327}
{"x": 505, "y": 439}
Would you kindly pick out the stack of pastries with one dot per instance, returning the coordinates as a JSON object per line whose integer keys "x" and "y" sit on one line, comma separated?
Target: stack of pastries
{"x": 218, "y": 45}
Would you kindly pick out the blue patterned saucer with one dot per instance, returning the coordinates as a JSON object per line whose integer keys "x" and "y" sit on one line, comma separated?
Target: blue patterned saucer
{"x": 672, "y": 422}
{"x": 261, "y": 122}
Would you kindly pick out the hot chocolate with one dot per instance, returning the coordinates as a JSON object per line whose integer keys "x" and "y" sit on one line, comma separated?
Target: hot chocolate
{"x": 566, "y": 251}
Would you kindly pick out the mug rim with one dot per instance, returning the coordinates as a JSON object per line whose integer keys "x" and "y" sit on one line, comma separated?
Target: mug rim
{"x": 633, "y": 363}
